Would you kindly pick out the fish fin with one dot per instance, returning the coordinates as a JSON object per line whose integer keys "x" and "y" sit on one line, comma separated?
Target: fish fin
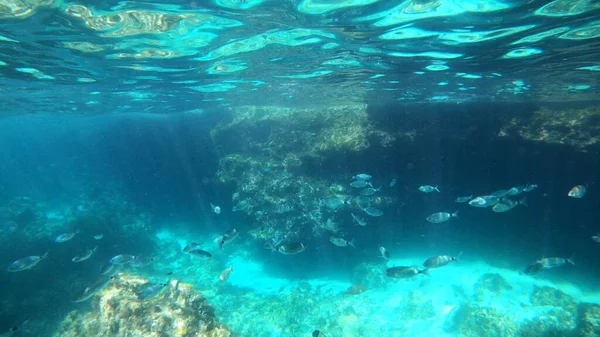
{"x": 455, "y": 214}
{"x": 370, "y": 184}
{"x": 425, "y": 272}
{"x": 436, "y": 188}
{"x": 524, "y": 202}
{"x": 44, "y": 256}
{"x": 351, "y": 243}
{"x": 457, "y": 258}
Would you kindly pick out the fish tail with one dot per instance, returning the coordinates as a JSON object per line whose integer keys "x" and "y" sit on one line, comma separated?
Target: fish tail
{"x": 455, "y": 214}
{"x": 570, "y": 260}
{"x": 351, "y": 243}
{"x": 44, "y": 256}
{"x": 457, "y": 258}
{"x": 425, "y": 272}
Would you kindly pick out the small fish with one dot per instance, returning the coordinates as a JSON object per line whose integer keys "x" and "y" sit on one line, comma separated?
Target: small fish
{"x": 318, "y": 333}
{"x": 428, "y": 188}
{"x": 362, "y": 176}
{"x": 441, "y": 217}
{"x": 200, "y": 253}
{"x": 405, "y": 272}
{"x": 393, "y": 182}
{"x": 25, "y": 263}
{"x": 334, "y": 203}
{"x": 191, "y": 246}
{"x": 506, "y": 205}
{"x": 122, "y": 259}
{"x": 98, "y": 236}
{"x": 359, "y": 221}
{"x": 360, "y": 184}
{"x": 355, "y": 289}
{"x": 240, "y": 206}
{"x": 578, "y": 192}
{"x": 439, "y": 261}
{"x": 384, "y": 253}
{"x": 461, "y": 200}
{"x": 341, "y": 242}
{"x": 533, "y": 268}
{"x": 553, "y": 262}
{"x": 149, "y": 290}
{"x": 516, "y": 190}
{"x": 369, "y": 191}
{"x": 86, "y": 255}
{"x": 93, "y": 288}
{"x": 229, "y": 236}
{"x": 225, "y": 274}
{"x": 291, "y": 248}
{"x": 530, "y": 188}
{"x": 142, "y": 261}
{"x": 484, "y": 201}
{"x": 107, "y": 268}
{"x": 66, "y": 236}
{"x": 372, "y": 211}
{"x": 215, "y": 209}
{"x": 596, "y": 237}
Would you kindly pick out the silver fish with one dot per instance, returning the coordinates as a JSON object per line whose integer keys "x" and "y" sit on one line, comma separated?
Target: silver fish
{"x": 516, "y": 190}
{"x": 241, "y": 206}
{"x": 439, "y": 261}
{"x": 393, "y": 182}
{"x": 530, "y": 188}
{"x": 148, "y": 290}
{"x": 553, "y": 262}
{"x": 461, "y": 200}
{"x": 86, "y": 255}
{"x": 405, "y": 272}
{"x": 360, "y": 184}
{"x": 93, "y": 288}
{"x": 362, "y": 176}
{"x": 484, "y": 201}
{"x": 359, "y": 221}
{"x": 369, "y": 191}
{"x": 428, "y": 188}
{"x": 98, "y": 236}
{"x": 596, "y": 237}
{"x": 384, "y": 253}
{"x": 372, "y": 211}
{"x": 533, "y": 268}
{"x": 107, "y": 268}
{"x": 122, "y": 259}
{"x": 441, "y": 217}
{"x": 191, "y": 246}
{"x": 506, "y": 205}
{"x": 10, "y": 332}
{"x": 25, "y": 263}
{"x": 200, "y": 253}
{"x": 141, "y": 261}
{"x": 65, "y": 237}
{"x": 334, "y": 203}
{"x": 229, "y": 236}
{"x": 578, "y": 192}
{"x": 291, "y": 248}
{"x": 341, "y": 242}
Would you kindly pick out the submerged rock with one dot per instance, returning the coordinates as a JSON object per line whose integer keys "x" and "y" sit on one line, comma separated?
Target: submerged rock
{"x": 177, "y": 311}
{"x": 487, "y": 322}
{"x": 588, "y": 320}
{"x": 490, "y": 286}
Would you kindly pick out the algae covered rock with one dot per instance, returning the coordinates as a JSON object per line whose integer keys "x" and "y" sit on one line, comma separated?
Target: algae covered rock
{"x": 548, "y": 296}
{"x": 588, "y": 320}
{"x": 126, "y": 308}
{"x": 418, "y": 306}
{"x": 490, "y": 286}
{"x": 579, "y": 128}
{"x": 487, "y": 322}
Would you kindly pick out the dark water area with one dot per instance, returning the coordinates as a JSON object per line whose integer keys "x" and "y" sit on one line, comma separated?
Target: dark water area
{"x": 167, "y": 165}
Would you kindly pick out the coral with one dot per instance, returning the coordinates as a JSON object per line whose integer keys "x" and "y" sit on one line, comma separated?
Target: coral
{"x": 490, "y": 286}
{"x": 177, "y": 311}
{"x": 588, "y": 320}
{"x": 579, "y": 128}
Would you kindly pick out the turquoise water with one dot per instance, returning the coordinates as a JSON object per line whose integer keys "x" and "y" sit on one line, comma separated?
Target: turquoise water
{"x": 130, "y": 130}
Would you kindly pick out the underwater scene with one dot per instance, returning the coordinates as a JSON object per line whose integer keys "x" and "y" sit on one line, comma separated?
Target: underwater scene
{"x": 291, "y": 168}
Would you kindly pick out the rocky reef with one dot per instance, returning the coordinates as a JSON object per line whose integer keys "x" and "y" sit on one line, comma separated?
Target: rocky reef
{"x": 126, "y": 308}
{"x": 275, "y": 157}
{"x": 579, "y": 128}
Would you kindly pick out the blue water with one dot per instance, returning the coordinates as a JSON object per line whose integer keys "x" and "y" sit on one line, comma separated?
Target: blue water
{"x": 131, "y": 120}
